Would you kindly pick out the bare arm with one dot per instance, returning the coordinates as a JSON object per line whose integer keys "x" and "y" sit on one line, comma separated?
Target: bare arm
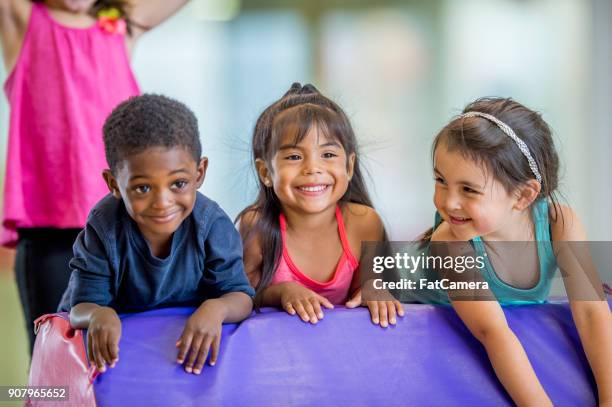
{"x": 487, "y": 322}
{"x": 148, "y": 14}
{"x": 202, "y": 332}
{"x": 252, "y": 252}
{"x": 271, "y": 295}
{"x": 363, "y": 224}
{"x": 590, "y": 311}
{"x": 14, "y": 16}
{"x": 103, "y": 332}
{"x": 235, "y": 306}
{"x": 594, "y": 323}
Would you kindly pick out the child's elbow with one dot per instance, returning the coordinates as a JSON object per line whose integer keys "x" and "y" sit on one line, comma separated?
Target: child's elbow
{"x": 243, "y": 304}
{"x": 590, "y": 313}
{"x": 491, "y": 333}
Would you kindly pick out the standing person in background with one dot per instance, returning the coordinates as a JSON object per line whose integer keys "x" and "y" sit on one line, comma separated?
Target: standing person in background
{"x": 68, "y": 67}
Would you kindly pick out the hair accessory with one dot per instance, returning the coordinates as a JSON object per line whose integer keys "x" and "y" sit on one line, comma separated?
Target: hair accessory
{"x": 510, "y": 133}
{"x": 110, "y": 20}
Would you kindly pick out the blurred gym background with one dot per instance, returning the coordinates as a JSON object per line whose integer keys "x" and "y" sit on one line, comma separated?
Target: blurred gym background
{"x": 400, "y": 68}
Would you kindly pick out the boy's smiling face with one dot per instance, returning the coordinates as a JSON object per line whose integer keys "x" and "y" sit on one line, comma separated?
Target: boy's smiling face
{"x": 158, "y": 187}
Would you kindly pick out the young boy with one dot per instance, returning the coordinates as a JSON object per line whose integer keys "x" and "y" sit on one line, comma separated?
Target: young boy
{"x": 155, "y": 241}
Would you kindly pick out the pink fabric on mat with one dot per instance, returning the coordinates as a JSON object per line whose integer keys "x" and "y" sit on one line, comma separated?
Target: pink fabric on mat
{"x": 60, "y": 360}
{"x": 64, "y": 84}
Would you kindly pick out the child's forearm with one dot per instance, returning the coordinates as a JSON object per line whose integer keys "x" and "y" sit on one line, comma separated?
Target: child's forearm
{"x": 594, "y": 324}
{"x": 513, "y": 369}
{"x": 271, "y": 295}
{"x": 236, "y": 305}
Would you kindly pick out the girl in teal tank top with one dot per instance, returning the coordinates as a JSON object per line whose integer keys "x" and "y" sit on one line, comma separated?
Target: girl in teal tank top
{"x": 495, "y": 172}
{"x": 506, "y": 293}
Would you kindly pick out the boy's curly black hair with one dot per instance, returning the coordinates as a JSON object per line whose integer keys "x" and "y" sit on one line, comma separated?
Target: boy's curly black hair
{"x": 146, "y": 121}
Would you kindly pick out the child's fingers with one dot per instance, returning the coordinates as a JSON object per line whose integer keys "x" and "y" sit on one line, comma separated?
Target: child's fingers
{"x": 194, "y": 351}
{"x": 113, "y": 352}
{"x": 184, "y": 346}
{"x": 317, "y": 308}
{"x": 98, "y": 358}
{"x": 391, "y": 312}
{"x": 215, "y": 350}
{"x": 289, "y": 308}
{"x": 326, "y": 303}
{"x": 113, "y": 348}
{"x": 91, "y": 344}
{"x": 103, "y": 347}
{"x": 90, "y": 355}
{"x": 355, "y": 301}
{"x": 312, "y": 316}
{"x": 382, "y": 313}
{"x": 373, "y": 307}
{"x": 400, "y": 308}
{"x": 202, "y": 355}
{"x": 301, "y": 311}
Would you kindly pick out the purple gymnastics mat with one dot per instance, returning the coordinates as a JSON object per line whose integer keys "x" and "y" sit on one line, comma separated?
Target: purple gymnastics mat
{"x": 273, "y": 359}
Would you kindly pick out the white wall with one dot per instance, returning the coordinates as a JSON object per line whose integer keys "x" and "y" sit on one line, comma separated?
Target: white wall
{"x": 400, "y": 73}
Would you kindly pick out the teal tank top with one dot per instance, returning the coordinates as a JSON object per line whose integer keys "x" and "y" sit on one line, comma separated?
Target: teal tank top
{"x": 507, "y": 294}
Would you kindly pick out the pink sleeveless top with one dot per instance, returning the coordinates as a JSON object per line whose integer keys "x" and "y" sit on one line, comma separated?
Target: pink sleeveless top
{"x": 335, "y": 290}
{"x": 64, "y": 84}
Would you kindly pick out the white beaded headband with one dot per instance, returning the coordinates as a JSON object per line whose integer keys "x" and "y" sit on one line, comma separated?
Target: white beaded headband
{"x": 510, "y": 133}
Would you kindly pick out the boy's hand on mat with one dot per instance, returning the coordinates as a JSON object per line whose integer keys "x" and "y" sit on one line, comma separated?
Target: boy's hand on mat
{"x": 382, "y": 312}
{"x": 201, "y": 335}
{"x": 297, "y": 299}
{"x": 103, "y": 337}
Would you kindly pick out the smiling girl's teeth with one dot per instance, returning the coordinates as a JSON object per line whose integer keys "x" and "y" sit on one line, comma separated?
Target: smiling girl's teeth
{"x": 317, "y": 188}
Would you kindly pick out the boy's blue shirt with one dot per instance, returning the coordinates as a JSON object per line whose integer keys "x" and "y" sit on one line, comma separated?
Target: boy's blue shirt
{"x": 113, "y": 264}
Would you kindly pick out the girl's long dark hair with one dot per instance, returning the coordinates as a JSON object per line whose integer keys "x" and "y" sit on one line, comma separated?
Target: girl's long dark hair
{"x": 301, "y": 107}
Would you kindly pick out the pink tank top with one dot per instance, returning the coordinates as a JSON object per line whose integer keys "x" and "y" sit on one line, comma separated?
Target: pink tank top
{"x": 335, "y": 290}
{"x": 64, "y": 84}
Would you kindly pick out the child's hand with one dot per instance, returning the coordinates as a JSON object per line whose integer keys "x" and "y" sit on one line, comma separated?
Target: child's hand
{"x": 202, "y": 334}
{"x": 296, "y": 298}
{"x": 385, "y": 312}
{"x": 103, "y": 338}
{"x": 381, "y": 312}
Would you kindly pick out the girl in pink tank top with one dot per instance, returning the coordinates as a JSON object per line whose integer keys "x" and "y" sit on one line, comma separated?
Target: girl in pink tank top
{"x": 68, "y": 68}
{"x": 302, "y": 236}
